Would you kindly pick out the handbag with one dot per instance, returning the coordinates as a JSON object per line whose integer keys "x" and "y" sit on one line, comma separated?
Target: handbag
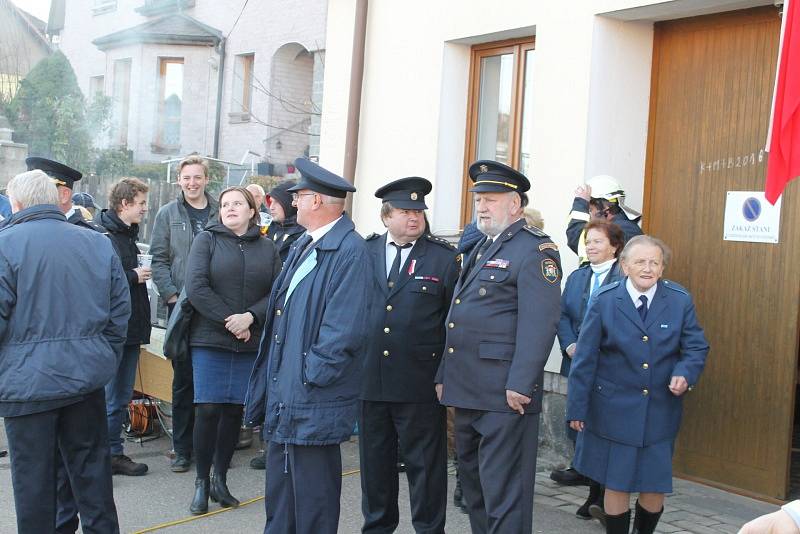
{"x": 176, "y": 338}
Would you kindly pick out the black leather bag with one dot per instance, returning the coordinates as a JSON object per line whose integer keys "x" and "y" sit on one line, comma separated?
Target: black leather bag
{"x": 176, "y": 338}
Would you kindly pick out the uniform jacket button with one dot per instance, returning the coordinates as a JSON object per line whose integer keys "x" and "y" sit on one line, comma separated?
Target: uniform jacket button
{"x": 386, "y": 353}
{"x": 389, "y": 307}
{"x": 645, "y": 392}
{"x": 645, "y": 339}
{"x": 386, "y": 330}
{"x": 451, "y": 350}
{"x": 277, "y": 312}
{"x": 458, "y": 301}
{"x": 645, "y": 366}
{"x": 451, "y": 325}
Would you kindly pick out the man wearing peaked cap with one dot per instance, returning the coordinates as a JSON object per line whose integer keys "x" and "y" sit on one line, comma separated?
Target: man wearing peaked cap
{"x": 500, "y": 330}
{"x": 64, "y": 177}
{"x": 305, "y": 383}
{"x": 412, "y": 284}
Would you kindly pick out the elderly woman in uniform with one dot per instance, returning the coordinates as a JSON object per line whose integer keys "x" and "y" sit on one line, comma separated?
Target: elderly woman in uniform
{"x": 640, "y": 349}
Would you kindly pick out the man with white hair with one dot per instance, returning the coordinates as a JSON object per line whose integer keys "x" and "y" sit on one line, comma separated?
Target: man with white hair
{"x": 54, "y": 365}
{"x": 306, "y": 381}
{"x": 500, "y": 330}
{"x": 258, "y": 194}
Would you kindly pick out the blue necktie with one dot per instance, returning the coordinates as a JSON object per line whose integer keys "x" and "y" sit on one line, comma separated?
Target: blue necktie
{"x": 643, "y": 307}
{"x": 596, "y": 283}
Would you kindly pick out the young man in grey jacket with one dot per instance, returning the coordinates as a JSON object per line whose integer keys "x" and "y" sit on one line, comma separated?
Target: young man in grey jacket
{"x": 173, "y": 231}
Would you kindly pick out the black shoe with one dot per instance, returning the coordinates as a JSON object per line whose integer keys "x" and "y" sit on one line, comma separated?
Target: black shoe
{"x": 259, "y": 462}
{"x": 645, "y": 522}
{"x": 245, "y": 438}
{"x": 595, "y": 497}
{"x": 458, "y": 498}
{"x": 597, "y": 512}
{"x": 618, "y": 524}
{"x": 180, "y": 464}
{"x": 199, "y": 504}
{"x": 569, "y": 477}
{"x": 219, "y": 492}
{"x": 122, "y": 465}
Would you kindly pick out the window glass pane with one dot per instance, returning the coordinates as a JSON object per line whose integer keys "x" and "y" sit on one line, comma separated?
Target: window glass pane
{"x": 173, "y": 95}
{"x": 527, "y": 116}
{"x": 121, "y": 101}
{"x": 494, "y": 108}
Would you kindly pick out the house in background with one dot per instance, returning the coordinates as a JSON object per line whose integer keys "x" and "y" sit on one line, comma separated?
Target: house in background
{"x": 23, "y": 44}
{"x": 230, "y": 79}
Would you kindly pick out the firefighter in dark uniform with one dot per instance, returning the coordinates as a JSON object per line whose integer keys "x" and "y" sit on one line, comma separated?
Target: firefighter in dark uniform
{"x": 410, "y": 294}
{"x": 600, "y": 198}
{"x": 500, "y": 329}
{"x": 64, "y": 178}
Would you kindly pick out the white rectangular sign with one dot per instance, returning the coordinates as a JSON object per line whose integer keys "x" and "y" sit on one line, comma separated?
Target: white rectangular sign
{"x": 749, "y": 217}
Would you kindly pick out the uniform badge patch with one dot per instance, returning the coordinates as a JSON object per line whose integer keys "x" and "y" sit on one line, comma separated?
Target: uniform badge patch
{"x": 484, "y": 168}
{"x": 413, "y": 196}
{"x": 545, "y": 246}
{"x": 550, "y": 270}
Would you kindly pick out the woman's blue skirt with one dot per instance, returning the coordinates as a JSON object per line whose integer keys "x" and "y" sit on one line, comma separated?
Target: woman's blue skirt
{"x": 221, "y": 376}
{"x": 624, "y": 467}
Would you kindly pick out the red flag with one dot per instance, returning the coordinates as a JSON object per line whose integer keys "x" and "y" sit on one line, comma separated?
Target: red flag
{"x": 783, "y": 164}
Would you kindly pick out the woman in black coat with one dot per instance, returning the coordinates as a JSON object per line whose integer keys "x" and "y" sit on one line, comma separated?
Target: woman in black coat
{"x": 229, "y": 275}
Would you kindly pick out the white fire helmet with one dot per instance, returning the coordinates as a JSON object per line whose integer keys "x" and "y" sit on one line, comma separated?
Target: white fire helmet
{"x": 606, "y": 187}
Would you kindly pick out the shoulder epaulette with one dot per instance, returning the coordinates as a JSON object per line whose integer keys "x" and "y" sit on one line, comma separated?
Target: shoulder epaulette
{"x": 538, "y": 232}
{"x": 372, "y": 236}
{"x": 675, "y": 287}
{"x": 606, "y": 287}
{"x": 439, "y": 241}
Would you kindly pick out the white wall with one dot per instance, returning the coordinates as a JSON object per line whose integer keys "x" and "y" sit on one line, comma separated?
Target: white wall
{"x": 591, "y": 87}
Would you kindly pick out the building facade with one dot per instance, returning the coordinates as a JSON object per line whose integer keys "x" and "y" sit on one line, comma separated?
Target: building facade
{"x": 233, "y": 80}
{"x": 670, "y": 97}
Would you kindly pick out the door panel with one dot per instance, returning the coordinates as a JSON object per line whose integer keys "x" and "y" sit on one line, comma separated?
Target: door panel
{"x": 709, "y": 112}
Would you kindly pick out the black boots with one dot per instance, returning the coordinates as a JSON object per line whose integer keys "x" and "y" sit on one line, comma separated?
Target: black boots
{"x": 200, "y": 502}
{"x": 596, "y": 493}
{"x": 618, "y": 524}
{"x": 219, "y": 492}
{"x": 645, "y": 522}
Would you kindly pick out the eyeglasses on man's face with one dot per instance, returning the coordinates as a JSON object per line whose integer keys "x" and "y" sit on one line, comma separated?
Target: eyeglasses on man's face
{"x": 296, "y": 196}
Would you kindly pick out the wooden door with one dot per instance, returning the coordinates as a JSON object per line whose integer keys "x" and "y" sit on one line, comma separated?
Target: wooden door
{"x": 710, "y": 105}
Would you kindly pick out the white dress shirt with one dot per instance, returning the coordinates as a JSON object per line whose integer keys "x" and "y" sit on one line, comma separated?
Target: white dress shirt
{"x": 317, "y": 234}
{"x": 391, "y": 252}
{"x": 635, "y": 294}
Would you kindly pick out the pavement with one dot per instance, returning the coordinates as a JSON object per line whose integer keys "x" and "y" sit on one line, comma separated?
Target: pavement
{"x": 159, "y": 501}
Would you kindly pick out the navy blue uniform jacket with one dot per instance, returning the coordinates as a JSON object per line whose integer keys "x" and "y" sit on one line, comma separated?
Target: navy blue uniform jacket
{"x": 307, "y": 376}
{"x": 406, "y": 333}
{"x": 573, "y": 307}
{"x": 49, "y": 269}
{"x": 618, "y": 384}
{"x": 502, "y": 322}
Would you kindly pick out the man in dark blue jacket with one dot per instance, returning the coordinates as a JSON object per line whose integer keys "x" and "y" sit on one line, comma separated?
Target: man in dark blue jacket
{"x": 500, "y": 330}
{"x": 414, "y": 275}
{"x": 306, "y": 380}
{"x": 53, "y": 367}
